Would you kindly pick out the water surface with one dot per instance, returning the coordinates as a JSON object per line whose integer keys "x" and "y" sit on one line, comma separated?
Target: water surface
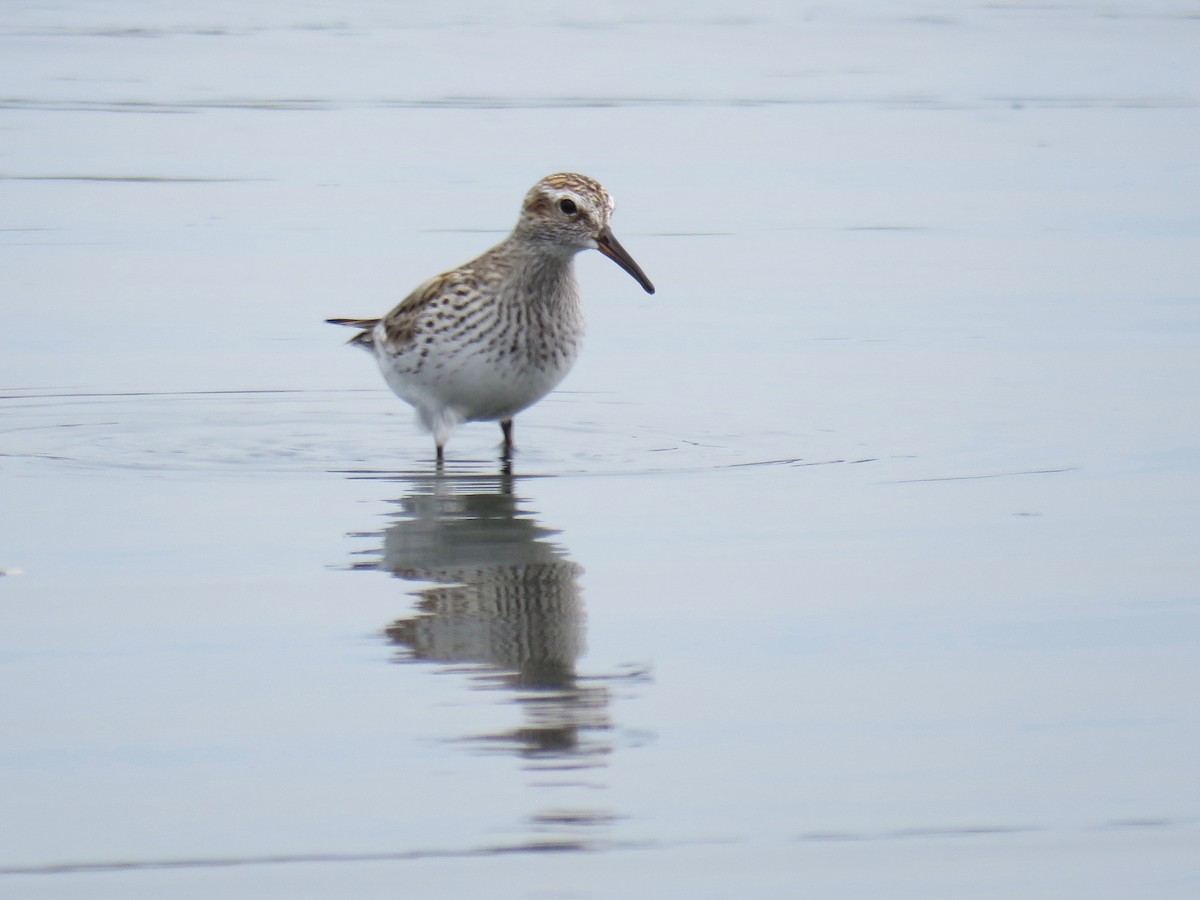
{"x": 859, "y": 560}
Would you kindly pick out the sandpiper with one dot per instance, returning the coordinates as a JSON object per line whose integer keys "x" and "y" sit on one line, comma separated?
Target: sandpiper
{"x": 486, "y": 340}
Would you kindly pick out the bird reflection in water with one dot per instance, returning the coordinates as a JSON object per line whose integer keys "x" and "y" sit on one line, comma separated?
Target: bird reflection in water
{"x": 505, "y": 600}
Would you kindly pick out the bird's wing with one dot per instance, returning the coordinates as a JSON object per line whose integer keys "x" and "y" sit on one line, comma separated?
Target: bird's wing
{"x": 444, "y": 295}
{"x": 415, "y": 315}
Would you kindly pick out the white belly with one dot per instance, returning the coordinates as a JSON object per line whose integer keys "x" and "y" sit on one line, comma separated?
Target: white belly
{"x": 463, "y": 384}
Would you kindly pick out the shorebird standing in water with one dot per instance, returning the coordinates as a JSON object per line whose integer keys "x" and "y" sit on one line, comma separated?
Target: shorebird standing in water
{"x": 491, "y": 338}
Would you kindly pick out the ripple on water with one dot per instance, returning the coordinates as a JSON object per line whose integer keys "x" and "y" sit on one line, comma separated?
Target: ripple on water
{"x": 359, "y": 433}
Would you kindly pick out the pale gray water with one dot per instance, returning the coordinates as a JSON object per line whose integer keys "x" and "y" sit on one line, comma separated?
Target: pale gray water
{"x": 859, "y": 561}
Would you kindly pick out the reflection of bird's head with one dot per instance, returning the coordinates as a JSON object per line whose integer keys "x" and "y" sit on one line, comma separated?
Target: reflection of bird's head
{"x": 505, "y": 598}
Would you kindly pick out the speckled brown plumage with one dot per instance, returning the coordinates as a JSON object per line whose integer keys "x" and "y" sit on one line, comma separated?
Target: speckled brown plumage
{"x": 486, "y": 340}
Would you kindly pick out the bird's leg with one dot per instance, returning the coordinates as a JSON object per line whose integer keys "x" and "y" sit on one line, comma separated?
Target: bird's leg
{"x": 441, "y": 455}
{"x": 506, "y": 427}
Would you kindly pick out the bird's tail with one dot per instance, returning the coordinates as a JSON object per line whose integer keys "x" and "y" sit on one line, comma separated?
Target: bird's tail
{"x": 366, "y": 326}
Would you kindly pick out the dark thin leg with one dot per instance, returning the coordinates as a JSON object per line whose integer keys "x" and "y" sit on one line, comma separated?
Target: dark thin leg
{"x": 506, "y": 427}
{"x": 441, "y": 454}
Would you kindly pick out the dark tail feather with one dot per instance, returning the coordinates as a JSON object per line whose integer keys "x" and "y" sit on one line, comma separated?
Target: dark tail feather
{"x": 363, "y": 338}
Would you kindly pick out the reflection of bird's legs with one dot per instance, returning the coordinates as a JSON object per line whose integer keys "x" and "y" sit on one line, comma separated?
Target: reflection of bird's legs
{"x": 506, "y": 427}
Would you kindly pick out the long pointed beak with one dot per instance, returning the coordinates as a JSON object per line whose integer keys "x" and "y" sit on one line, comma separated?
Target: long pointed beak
{"x": 607, "y": 244}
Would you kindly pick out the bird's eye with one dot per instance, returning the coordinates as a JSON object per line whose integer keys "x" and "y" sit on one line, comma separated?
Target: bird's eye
{"x": 567, "y": 207}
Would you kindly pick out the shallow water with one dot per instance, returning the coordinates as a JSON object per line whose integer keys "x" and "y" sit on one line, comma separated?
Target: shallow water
{"x": 860, "y": 559}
